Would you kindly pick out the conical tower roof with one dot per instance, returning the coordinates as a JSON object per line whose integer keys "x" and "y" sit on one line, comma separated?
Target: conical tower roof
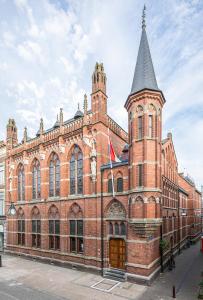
{"x": 144, "y": 75}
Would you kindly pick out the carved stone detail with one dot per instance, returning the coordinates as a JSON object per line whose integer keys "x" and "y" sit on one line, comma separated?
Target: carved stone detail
{"x": 53, "y": 212}
{"x": 116, "y": 211}
{"x": 75, "y": 211}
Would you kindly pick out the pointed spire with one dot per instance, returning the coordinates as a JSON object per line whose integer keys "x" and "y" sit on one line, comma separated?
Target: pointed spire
{"x": 78, "y": 113}
{"x": 57, "y": 124}
{"x": 61, "y": 116}
{"x": 144, "y": 75}
{"x": 143, "y": 17}
{"x": 85, "y": 105}
{"x": 41, "y": 128}
{"x": 25, "y": 135}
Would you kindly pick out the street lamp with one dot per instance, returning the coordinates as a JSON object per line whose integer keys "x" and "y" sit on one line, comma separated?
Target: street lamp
{"x": 12, "y": 210}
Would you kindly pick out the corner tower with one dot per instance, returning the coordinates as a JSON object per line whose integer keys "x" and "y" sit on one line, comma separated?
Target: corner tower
{"x": 144, "y": 106}
{"x": 12, "y": 138}
{"x": 98, "y": 96}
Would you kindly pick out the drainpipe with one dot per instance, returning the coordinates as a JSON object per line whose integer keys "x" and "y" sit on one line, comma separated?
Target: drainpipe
{"x": 178, "y": 223}
{"x": 161, "y": 248}
{"x": 102, "y": 225}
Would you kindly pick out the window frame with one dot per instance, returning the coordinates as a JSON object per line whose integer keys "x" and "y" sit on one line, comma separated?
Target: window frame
{"x": 119, "y": 184}
{"x": 36, "y": 180}
{"x": 140, "y": 127}
{"x": 21, "y": 183}
{"x": 36, "y": 234}
{"x": 54, "y": 235}
{"x": 76, "y": 171}
{"x": 76, "y": 237}
{"x": 54, "y": 176}
{"x": 21, "y": 231}
{"x": 140, "y": 175}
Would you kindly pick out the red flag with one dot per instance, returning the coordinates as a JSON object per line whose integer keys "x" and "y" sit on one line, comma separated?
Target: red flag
{"x": 112, "y": 153}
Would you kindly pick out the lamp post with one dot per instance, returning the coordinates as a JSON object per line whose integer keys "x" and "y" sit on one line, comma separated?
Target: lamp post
{"x": 11, "y": 212}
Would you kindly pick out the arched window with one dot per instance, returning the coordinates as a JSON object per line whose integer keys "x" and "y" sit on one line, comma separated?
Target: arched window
{"x": 110, "y": 228}
{"x": 54, "y": 175}
{"x": 120, "y": 184}
{"x": 110, "y": 187}
{"x": 140, "y": 127}
{"x": 150, "y": 126}
{"x": 36, "y": 180}
{"x": 76, "y": 229}
{"x": 131, "y": 127}
{"x": 21, "y": 227}
{"x": 54, "y": 228}
{"x": 21, "y": 183}
{"x": 123, "y": 228}
{"x": 36, "y": 228}
{"x": 76, "y": 171}
{"x": 116, "y": 229}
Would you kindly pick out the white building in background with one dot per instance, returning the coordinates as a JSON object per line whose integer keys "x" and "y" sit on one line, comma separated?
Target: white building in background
{"x": 2, "y": 195}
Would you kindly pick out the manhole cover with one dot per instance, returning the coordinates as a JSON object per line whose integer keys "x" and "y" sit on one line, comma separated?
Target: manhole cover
{"x": 105, "y": 285}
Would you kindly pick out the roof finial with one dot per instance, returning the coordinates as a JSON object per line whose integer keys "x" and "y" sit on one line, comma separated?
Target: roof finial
{"x": 78, "y": 106}
{"x": 61, "y": 116}
{"x": 143, "y": 17}
{"x": 41, "y": 128}
{"x": 25, "y": 135}
{"x": 85, "y": 103}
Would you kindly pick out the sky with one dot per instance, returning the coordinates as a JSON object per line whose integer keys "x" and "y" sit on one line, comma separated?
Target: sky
{"x": 48, "y": 50}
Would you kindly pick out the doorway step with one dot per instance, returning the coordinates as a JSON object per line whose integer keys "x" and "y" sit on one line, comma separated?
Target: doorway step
{"x": 115, "y": 274}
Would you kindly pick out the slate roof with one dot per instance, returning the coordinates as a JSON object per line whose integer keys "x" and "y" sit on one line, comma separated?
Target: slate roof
{"x": 144, "y": 75}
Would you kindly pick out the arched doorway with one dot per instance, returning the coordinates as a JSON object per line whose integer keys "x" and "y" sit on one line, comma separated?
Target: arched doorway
{"x": 116, "y": 222}
{"x": 117, "y": 256}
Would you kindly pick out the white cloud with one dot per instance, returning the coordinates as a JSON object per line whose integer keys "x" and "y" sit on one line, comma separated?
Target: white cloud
{"x": 48, "y": 53}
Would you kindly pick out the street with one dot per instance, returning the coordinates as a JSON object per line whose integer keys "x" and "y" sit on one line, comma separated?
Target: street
{"x": 22, "y": 279}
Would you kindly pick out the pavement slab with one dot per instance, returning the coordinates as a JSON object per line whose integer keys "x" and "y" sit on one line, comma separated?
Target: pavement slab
{"x": 23, "y": 279}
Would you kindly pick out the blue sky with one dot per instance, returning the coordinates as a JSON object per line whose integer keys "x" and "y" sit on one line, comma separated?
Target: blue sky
{"x": 48, "y": 49}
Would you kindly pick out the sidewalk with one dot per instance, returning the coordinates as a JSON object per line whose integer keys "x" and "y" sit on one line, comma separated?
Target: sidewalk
{"x": 186, "y": 277}
{"x": 26, "y": 279}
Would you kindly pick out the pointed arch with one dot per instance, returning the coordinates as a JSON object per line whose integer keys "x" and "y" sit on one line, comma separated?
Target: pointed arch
{"x": 53, "y": 212}
{"x": 36, "y": 227}
{"x": 35, "y": 213}
{"x": 119, "y": 181}
{"x": 109, "y": 183}
{"x": 36, "y": 179}
{"x": 115, "y": 210}
{"x": 75, "y": 211}
{"x": 54, "y": 175}
{"x": 76, "y": 226}
{"x": 21, "y": 182}
{"x": 151, "y": 208}
{"x": 137, "y": 208}
{"x": 21, "y": 227}
{"x": 76, "y": 170}
{"x": 54, "y": 228}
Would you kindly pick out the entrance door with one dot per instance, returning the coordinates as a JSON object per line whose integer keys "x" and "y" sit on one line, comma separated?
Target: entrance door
{"x": 117, "y": 253}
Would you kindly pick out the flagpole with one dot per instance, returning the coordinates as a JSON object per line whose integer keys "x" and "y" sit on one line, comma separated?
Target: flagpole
{"x": 112, "y": 179}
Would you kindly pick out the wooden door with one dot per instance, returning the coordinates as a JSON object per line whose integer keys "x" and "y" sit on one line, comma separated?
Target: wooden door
{"x": 117, "y": 253}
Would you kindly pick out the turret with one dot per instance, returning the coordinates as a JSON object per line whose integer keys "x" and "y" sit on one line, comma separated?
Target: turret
{"x": 99, "y": 98}
{"x": 12, "y": 137}
{"x": 144, "y": 106}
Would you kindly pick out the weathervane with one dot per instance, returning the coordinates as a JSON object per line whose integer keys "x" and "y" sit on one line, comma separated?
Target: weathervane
{"x": 143, "y": 17}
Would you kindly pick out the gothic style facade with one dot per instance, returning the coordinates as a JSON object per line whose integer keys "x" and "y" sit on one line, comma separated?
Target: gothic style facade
{"x": 61, "y": 185}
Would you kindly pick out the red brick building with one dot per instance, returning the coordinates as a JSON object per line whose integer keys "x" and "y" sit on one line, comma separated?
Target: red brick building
{"x": 61, "y": 185}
